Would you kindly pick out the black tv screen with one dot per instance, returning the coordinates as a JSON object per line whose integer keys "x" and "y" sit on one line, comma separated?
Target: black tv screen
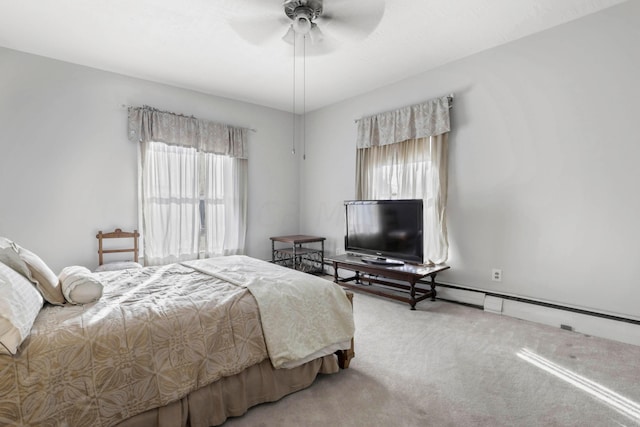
{"x": 385, "y": 229}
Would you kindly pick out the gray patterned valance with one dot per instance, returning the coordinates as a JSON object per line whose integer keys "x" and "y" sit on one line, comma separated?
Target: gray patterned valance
{"x": 148, "y": 124}
{"x": 416, "y": 121}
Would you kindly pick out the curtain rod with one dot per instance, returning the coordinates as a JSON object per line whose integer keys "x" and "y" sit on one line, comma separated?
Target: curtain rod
{"x": 177, "y": 114}
{"x": 450, "y": 96}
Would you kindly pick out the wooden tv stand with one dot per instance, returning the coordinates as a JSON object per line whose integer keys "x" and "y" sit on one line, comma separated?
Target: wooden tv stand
{"x": 391, "y": 277}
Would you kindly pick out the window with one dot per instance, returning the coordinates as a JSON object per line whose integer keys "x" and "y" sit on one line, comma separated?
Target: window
{"x": 402, "y": 154}
{"x": 396, "y": 175}
{"x": 412, "y": 169}
{"x": 192, "y": 186}
{"x": 395, "y": 171}
{"x": 193, "y": 204}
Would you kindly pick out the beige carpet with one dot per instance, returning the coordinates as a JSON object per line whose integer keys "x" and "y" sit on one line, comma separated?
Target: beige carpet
{"x": 450, "y": 365}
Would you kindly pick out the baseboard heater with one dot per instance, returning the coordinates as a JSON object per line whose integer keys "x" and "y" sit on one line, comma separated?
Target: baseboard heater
{"x": 540, "y": 303}
{"x": 529, "y": 301}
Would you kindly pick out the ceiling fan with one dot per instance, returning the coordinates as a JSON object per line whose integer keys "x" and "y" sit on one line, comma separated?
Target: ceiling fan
{"x": 325, "y": 25}
{"x": 303, "y": 13}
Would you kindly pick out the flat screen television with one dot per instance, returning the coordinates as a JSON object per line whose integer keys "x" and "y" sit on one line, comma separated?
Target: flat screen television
{"x": 385, "y": 231}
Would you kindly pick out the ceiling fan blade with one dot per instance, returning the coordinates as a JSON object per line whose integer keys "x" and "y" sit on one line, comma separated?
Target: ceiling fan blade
{"x": 258, "y": 21}
{"x": 357, "y": 4}
{"x": 260, "y": 30}
{"x": 348, "y": 20}
{"x": 258, "y": 7}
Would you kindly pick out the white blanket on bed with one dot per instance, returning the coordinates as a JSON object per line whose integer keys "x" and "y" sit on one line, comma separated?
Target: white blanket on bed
{"x": 303, "y": 316}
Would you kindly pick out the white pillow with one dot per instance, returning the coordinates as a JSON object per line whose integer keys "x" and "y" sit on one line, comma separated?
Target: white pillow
{"x": 118, "y": 265}
{"x": 33, "y": 268}
{"x": 45, "y": 278}
{"x": 79, "y": 285}
{"x": 4, "y": 242}
{"x": 9, "y": 257}
{"x": 20, "y": 303}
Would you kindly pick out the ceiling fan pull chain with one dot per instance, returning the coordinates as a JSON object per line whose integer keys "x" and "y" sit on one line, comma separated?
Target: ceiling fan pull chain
{"x": 304, "y": 97}
{"x": 293, "y": 140}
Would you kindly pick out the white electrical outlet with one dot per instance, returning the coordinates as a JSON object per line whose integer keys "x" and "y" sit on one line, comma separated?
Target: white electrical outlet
{"x": 496, "y": 275}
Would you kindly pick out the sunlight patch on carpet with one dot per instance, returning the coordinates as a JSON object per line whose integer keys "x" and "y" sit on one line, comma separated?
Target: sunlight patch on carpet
{"x": 618, "y": 402}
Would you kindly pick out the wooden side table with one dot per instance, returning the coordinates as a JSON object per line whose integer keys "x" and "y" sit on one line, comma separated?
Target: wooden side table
{"x": 297, "y": 254}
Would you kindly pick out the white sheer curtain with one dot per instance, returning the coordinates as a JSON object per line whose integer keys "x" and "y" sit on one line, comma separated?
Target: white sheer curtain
{"x": 192, "y": 185}
{"x": 170, "y": 198}
{"x": 413, "y": 169}
{"x": 225, "y": 196}
{"x": 403, "y": 155}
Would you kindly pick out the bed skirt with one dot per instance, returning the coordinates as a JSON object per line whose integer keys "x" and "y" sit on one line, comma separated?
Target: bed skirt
{"x": 233, "y": 396}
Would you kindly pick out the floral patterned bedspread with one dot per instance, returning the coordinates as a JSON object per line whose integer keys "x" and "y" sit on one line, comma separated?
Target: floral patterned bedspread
{"x": 156, "y": 334}
{"x": 303, "y": 316}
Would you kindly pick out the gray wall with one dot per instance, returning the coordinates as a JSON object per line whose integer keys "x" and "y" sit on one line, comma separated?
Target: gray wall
{"x": 67, "y": 169}
{"x": 543, "y": 175}
{"x": 543, "y": 179}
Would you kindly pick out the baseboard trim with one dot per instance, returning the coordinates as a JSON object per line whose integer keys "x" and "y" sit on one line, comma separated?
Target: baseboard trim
{"x": 588, "y": 322}
{"x": 583, "y": 321}
{"x": 542, "y": 303}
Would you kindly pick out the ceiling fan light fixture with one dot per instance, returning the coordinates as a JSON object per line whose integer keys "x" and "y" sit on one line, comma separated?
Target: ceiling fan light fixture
{"x": 302, "y": 21}
{"x": 315, "y": 34}
{"x": 290, "y": 36}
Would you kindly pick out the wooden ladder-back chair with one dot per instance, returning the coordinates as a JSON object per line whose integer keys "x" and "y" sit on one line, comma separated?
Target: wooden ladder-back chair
{"x": 117, "y": 234}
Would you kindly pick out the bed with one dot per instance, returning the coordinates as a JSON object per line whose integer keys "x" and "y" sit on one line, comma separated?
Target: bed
{"x": 183, "y": 344}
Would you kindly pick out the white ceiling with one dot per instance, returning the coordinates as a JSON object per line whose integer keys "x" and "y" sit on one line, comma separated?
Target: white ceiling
{"x": 194, "y": 44}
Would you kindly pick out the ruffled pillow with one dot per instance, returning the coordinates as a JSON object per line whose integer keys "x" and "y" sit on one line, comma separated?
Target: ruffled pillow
{"x": 33, "y": 268}
{"x": 20, "y": 304}
{"x": 46, "y": 280}
{"x": 9, "y": 257}
{"x": 79, "y": 285}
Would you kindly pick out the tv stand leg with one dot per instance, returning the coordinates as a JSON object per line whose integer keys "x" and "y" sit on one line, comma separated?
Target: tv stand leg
{"x": 433, "y": 287}
{"x": 412, "y": 299}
